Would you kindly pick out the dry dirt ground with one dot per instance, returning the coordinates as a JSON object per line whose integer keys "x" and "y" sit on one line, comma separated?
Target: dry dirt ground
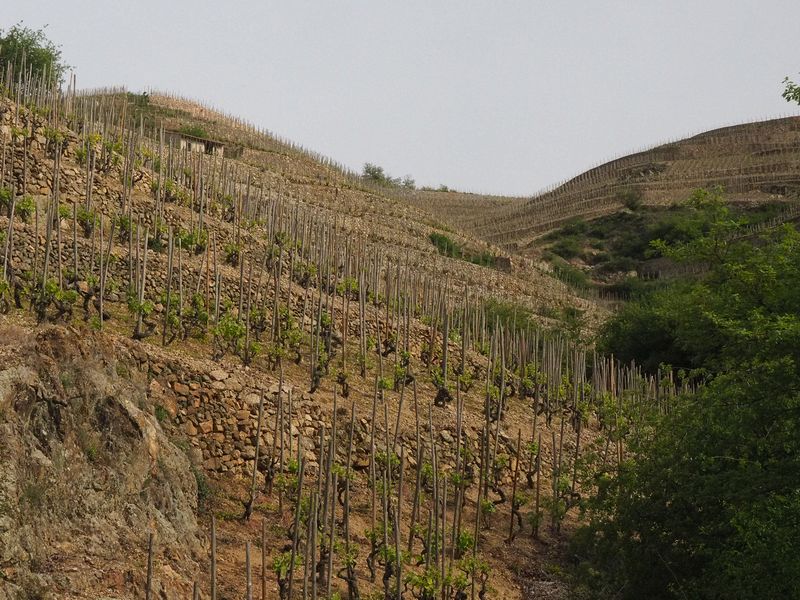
{"x": 87, "y": 471}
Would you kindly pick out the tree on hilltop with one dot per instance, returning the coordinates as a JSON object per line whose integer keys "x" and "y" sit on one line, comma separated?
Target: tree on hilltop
{"x": 26, "y": 48}
{"x": 376, "y": 174}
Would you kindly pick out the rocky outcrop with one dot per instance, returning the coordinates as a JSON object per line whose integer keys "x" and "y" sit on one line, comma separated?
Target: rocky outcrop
{"x": 86, "y": 473}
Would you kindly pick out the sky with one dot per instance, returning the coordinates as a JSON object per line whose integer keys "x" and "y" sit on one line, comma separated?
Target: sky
{"x": 493, "y": 96}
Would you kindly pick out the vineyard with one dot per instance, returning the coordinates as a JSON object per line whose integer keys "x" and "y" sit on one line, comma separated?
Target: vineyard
{"x": 753, "y": 162}
{"x": 254, "y": 373}
{"x": 398, "y": 424}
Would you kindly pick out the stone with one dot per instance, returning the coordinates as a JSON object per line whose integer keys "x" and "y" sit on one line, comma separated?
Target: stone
{"x": 190, "y": 429}
{"x": 446, "y": 436}
{"x": 252, "y": 399}
{"x": 156, "y": 390}
{"x": 39, "y": 457}
{"x": 181, "y": 388}
{"x": 219, "y": 375}
{"x": 207, "y": 426}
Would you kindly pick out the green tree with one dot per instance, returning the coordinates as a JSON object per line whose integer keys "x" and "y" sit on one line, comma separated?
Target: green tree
{"x": 708, "y": 504}
{"x": 377, "y": 175}
{"x": 663, "y": 327}
{"x": 26, "y": 48}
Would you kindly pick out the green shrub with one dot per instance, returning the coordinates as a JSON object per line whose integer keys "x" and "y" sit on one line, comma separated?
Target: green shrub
{"x": 706, "y": 503}
{"x": 194, "y": 131}
{"x": 87, "y": 220}
{"x": 445, "y": 245}
{"x": 161, "y": 414}
{"x": 232, "y": 253}
{"x": 205, "y": 493}
{"x": 566, "y": 247}
{"x": 25, "y": 207}
{"x": 484, "y": 259}
{"x": 631, "y": 198}
{"x": 571, "y": 275}
{"x": 34, "y": 494}
{"x": 5, "y": 198}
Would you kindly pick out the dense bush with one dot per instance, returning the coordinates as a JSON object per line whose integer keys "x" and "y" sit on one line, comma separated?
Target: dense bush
{"x": 707, "y": 505}
{"x": 567, "y": 247}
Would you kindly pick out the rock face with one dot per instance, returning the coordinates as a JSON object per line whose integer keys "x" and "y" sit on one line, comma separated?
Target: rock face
{"x": 85, "y": 472}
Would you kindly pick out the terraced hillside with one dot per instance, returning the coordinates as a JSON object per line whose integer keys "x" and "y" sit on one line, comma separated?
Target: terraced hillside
{"x": 398, "y": 221}
{"x": 207, "y": 359}
{"x": 186, "y": 337}
{"x": 754, "y": 161}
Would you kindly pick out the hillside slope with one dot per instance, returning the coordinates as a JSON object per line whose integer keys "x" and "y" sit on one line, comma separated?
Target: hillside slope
{"x": 754, "y": 161}
{"x": 397, "y": 221}
{"x": 152, "y": 296}
{"x": 271, "y": 346}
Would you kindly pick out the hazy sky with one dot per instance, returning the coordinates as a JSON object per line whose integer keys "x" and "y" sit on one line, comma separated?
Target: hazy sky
{"x": 503, "y": 97}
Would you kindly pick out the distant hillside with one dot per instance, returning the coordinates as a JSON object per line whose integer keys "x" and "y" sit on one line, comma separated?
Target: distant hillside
{"x": 755, "y": 161}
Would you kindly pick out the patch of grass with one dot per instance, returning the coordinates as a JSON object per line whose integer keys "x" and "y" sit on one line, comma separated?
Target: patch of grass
{"x": 67, "y": 380}
{"x": 194, "y": 130}
{"x": 228, "y": 515}
{"x": 617, "y": 264}
{"x": 567, "y": 247}
{"x": 205, "y": 492}
{"x": 571, "y": 275}
{"x": 631, "y": 198}
{"x": 548, "y": 312}
{"x": 446, "y": 246}
{"x": 88, "y": 442}
{"x": 507, "y": 313}
{"x": 34, "y": 494}
{"x": 484, "y": 259}
{"x": 264, "y": 508}
{"x": 631, "y": 288}
{"x": 573, "y": 227}
{"x": 162, "y": 415}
